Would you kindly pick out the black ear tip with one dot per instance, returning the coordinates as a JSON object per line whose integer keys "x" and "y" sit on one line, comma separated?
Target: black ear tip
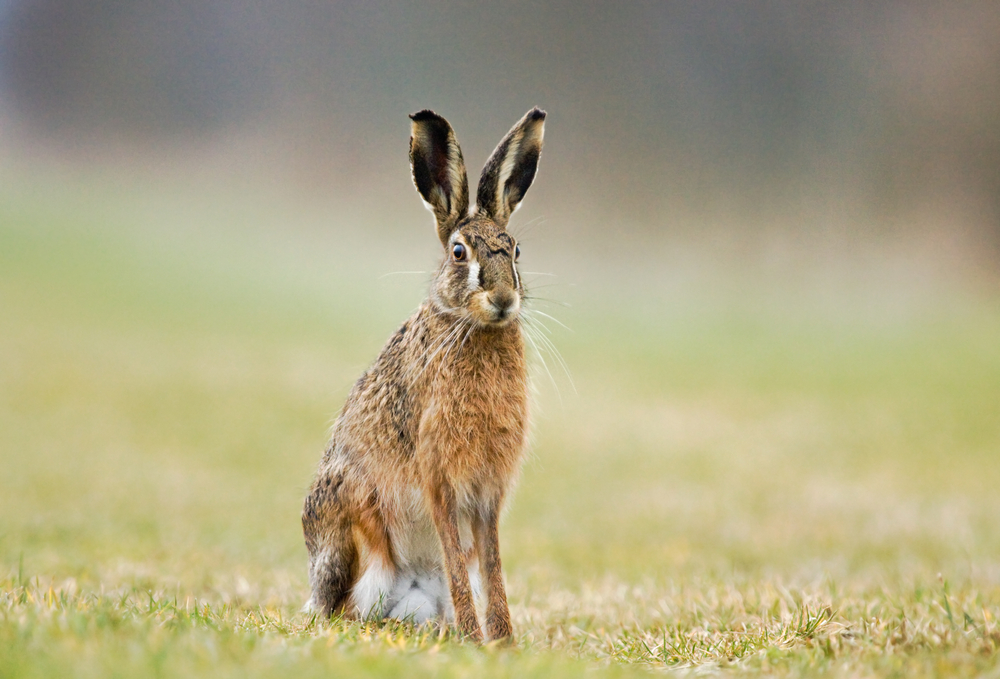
{"x": 426, "y": 114}
{"x": 536, "y": 114}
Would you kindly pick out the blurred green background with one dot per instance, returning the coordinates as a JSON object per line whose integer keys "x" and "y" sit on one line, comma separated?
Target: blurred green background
{"x": 772, "y": 229}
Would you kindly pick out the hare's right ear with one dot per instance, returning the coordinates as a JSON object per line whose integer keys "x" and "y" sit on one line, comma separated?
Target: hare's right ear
{"x": 511, "y": 168}
{"x": 438, "y": 170}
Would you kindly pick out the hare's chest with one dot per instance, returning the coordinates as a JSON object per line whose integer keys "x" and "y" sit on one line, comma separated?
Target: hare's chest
{"x": 478, "y": 433}
{"x": 489, "y": 400}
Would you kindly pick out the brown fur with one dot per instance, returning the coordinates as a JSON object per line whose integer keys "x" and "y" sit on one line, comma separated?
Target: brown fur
{"x": 433, "y": 433}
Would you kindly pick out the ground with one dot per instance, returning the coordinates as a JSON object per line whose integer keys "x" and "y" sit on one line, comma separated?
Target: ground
{"x": 746, "y": 481}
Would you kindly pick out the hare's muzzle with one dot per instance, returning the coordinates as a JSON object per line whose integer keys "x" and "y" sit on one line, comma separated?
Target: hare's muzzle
{"x": 504, "y": 304}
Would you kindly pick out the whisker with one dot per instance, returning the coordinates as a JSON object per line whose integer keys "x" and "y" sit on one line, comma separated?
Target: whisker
{"x": 443, "y": 345}
{"x": 537, "y": 324}
{"x": 551, "y": 318}
{"x": 559, "y": 359}
{"x": 452, "y": 336}
{"x": 549, "y": 285}
{"x": 538, "y": 327}
{"x": 548, "y": 300}
{"x": 468, "y": 333}
{"x": 541, "y": 358}
{"x": 465, "y": 324}
{"x": 400, "y": 273}
{"x": 522, "y": 230}
{"x": 439, "y": 345}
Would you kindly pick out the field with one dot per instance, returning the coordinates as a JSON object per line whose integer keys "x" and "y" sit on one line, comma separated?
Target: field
{"x": 746, "y": 477}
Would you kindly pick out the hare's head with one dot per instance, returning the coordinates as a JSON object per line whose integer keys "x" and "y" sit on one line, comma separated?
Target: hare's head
{"x": 478, "y": 277}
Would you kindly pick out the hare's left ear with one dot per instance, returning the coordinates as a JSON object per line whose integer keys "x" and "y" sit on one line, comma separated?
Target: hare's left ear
{"x": 439, "y": 171}
{"x": 511, "y": 169}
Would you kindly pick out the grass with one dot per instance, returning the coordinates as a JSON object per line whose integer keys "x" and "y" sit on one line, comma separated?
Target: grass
{"x": 743, "y": 482}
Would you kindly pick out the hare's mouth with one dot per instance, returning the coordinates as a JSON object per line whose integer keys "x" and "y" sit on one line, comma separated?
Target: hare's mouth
{"x": 492, "y": 309}
{"x": 503, "y": 316}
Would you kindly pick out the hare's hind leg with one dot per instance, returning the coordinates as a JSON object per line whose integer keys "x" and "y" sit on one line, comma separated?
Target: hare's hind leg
{"x": 333, "y": 551}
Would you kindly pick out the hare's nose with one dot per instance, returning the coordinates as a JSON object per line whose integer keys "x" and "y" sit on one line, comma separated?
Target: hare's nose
{"x": 504, "y": 301}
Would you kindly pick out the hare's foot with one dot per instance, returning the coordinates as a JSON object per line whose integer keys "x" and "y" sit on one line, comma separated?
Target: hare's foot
{"x": 330, "y": 575}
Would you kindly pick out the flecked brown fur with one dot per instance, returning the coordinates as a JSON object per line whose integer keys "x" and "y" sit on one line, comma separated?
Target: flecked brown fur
{"x": 433, "y": 433}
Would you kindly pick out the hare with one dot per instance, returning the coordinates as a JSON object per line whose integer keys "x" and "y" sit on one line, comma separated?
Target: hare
{"x": 402, "y": 518}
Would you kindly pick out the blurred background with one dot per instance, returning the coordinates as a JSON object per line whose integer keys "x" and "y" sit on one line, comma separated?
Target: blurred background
{"x": 766, "y": 129}
{"x": 776, "y": 225}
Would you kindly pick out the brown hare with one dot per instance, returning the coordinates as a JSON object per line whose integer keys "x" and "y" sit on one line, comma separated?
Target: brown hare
{"x": 402, "y": 519}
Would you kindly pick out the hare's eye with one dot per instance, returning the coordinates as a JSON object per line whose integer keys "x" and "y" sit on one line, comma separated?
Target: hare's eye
{"x": 458, "y": 252}
{"x": 517, "y": 252}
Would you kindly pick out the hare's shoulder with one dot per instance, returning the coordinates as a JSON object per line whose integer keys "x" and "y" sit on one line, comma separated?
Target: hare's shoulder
{"x": 382, "y": 412}
{"x": 407, "y": 349}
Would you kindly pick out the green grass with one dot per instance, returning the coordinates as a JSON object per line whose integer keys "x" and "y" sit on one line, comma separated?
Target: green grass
{"x": 744, "y": 482}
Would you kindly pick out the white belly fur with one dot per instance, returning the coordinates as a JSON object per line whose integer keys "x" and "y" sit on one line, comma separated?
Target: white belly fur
{"x": 416, "y": 589}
